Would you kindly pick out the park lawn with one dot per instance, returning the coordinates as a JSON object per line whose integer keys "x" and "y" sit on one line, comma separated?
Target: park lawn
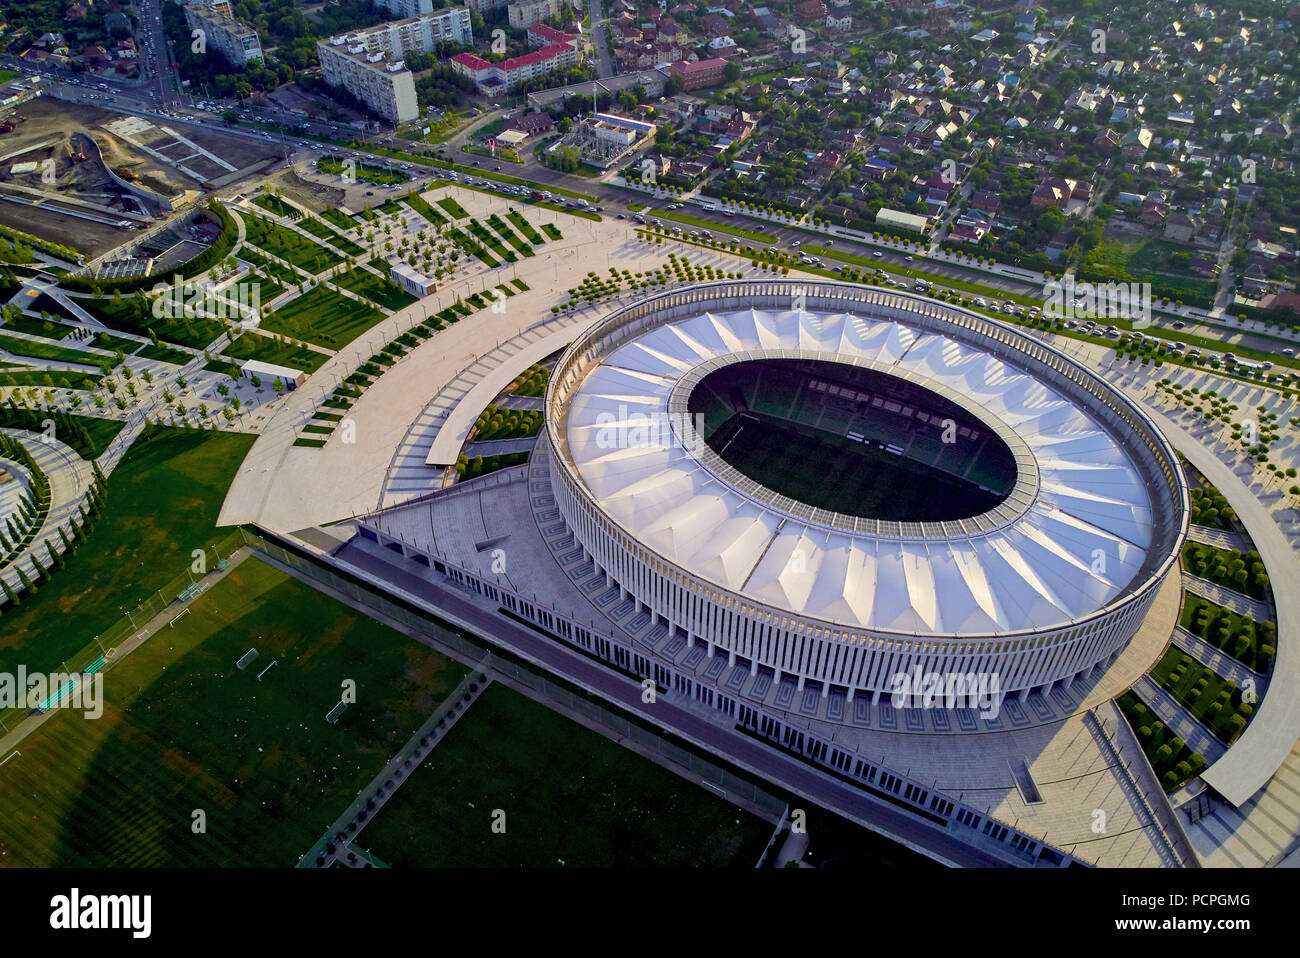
{"x": 291, "y": 247}
{"x": 552, "y": 231}
{"x": 472, "y": 247}
{"x": 46, "y": 349}
{"x": 184, "y": 729}
{"x": 45, "y": 378}
{"x": 38, "y": 327}
{"x": 378, "y": 289}
{"x": 339, "y": 218}
{"x": 99, "y": 432}
{"x": 165, "y": 354}
{"x": 323, "y": 316}
{"x": 134, "y": 314}
{"x": 421, "y": 206}
{"x": 1197, "y": 688}
{"x": 456, "y": 211}
{"x": 163, "y": 502}
{"x": 115, "y": 343}
{"x": 567, "y": 792}
{"x": 363, "y": 171}
{"x": 284, "y": 274}
{"x": 482, "y": 234}
{"x": 318, "y": 229}
{"x": 521, "y": 224}
{"x": 509, "y": 235}
{"x": 278, "y": 206}
{"x": 253, "y": 345}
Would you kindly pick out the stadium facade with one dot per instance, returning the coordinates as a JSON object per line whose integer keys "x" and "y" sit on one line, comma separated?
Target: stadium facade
{"x": 635, "y": 553}
{"x": 1043, "y": 588}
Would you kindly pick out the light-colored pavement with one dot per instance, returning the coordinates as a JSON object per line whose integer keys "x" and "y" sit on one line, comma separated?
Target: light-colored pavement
{"x": 286, "y": 487}
{"x": 1222, "y": 663}
{"x": 70, "y": 477}
{"x": 1228, "y": 598}
{"x": 1219, "y": 538}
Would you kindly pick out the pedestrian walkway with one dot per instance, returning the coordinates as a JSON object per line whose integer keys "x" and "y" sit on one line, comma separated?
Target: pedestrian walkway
{"x": 1220, "y": 538}
{"x": 70, "y": 478}
{"x": 1220, "y": 662}
{"x": 1228, "y": 598}
{"x": 1178, "y": 720}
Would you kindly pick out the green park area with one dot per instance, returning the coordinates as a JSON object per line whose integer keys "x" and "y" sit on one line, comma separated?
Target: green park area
{"x": 380, "y": 290}
{"x": 1253, "y": 644}
{"x": 323, "y": 316}
{"x": 1214, "y": 701}
{"x": 184, "y": 729}
{"x": 568, "y": 793}
{"x": 1170, "y": 757}
{"x": 163, "y": 501}
{"x": 1228, "y": 567}
{"x": 293, "y": 248}
{"x": 253, "y": 345}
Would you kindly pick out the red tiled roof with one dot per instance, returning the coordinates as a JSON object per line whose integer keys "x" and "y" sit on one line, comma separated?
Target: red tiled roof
{"x": 547, "y": 32}
{"x": 684, "y": 66}
{"x": 472, "y": 61}
{"x": 537, "y": 56}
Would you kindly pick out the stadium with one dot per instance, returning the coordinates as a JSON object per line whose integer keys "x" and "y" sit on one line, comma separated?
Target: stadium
{"x": 838, "y": 485}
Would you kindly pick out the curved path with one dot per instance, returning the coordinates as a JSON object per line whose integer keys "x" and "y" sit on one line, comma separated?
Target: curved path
{"x": 70, "y": 477}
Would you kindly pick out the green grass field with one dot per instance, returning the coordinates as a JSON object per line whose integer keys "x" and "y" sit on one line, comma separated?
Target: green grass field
{"x": 521, "y": 224}
{"x": 184, "y": 729}
{"x": 252, "y": 345}
{"x": 320, "y": 230}
{"x": 832, "y": 472}
{"x": 45, "y": 349}
{"x": 165, "y": 354}
{"x": 163, "y": 501}
{"x": 568, "y": 793}
{"x": 453, "y": 208}
{"x": 323, "y": 316}
{"x": 44, "y": 378}
{"x": 134, "y": 314}
{"x": 291, "y": 247}
{"x": 504, "y": 230}
{"x": 378, "y": 289}
{"x": 284, "y": 274}
{"x": 339, "y": 218}
{"x": 98, "y": 432}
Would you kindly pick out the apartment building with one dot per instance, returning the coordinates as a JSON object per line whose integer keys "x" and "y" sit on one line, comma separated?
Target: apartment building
{"x": 405, "y": 8}
{"x": 496, "y": 78}
{"x": 531, "y": 12}
{"x": 369, "y": 63}
{"x": 234, "y": 40}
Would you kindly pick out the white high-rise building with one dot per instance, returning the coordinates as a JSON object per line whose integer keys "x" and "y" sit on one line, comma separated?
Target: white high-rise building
{"x": 233, "y": 39}
{"x": 369, "y": 64}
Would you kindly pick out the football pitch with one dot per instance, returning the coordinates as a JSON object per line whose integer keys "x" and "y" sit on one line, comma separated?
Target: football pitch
{"x": 569, "y": 795}
{"x": 833, "y": 472}
{"x": 187, "y": 737}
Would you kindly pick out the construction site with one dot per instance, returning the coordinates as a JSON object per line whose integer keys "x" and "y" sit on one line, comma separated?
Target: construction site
{"x": 82, "y": 176}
